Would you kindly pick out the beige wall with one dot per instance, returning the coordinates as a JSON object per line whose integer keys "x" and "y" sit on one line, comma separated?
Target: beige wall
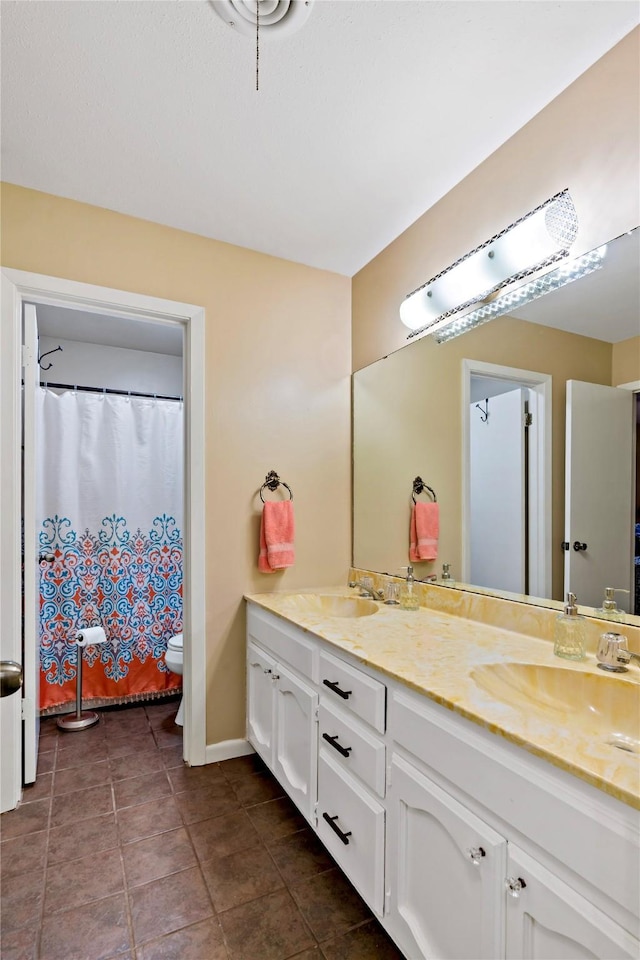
{"x": 407, "y": 422}
{"x": 586, "y": 139}
{"x": 277, "y": 395}
{"x": 625, "y": 364}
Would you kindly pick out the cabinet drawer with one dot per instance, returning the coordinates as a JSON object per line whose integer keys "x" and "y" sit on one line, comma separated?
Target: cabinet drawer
{"x": 352, "y": 747}
{"x": 283, "y": 640}
{"x": 353, "y": 689}
{"x": 345, "y": 806}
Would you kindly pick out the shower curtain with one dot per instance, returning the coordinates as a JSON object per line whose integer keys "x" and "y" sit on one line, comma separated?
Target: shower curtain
{"x": 109, "y": 504}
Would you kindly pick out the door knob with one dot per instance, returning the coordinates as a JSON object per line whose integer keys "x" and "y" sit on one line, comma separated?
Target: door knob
{"x": 579, "y": 546}
{"x": 10, "y": 677}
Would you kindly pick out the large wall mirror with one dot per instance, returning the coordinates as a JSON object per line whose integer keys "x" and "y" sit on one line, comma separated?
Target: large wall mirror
{"x": 415, "y": 414}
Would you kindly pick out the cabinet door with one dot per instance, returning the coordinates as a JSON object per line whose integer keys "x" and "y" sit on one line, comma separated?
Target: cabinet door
{"x": 547, "y": 920}
{"x": 445, "y": 873}
{"x": 260, "y": 715}
{"x": 295, "y": 754}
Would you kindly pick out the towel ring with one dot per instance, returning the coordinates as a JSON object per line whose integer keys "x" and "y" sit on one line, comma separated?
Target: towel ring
{"x": 419, "y": 486}
{"x": 272, "y": 482}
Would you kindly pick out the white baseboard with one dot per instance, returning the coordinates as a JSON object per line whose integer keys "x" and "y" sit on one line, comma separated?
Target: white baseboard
{"x": 227, "y": 750}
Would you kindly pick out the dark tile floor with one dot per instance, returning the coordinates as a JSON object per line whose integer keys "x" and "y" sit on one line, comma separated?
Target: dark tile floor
{"x": 121, "y": 851}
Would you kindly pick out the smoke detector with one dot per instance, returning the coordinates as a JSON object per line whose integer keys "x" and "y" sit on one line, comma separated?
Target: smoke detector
{"x": 277, "y": 17}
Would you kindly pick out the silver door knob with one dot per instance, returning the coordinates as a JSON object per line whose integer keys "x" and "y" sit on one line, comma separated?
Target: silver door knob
{"x": 514, "y": 885}
{"x": 10, "y": 677}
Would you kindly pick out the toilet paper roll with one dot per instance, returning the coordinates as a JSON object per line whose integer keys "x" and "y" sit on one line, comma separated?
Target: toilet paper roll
{"x": 90, "y": 635}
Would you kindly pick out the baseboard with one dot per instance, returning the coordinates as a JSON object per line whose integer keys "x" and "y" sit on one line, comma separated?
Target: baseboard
{"x": 227, "y": 750}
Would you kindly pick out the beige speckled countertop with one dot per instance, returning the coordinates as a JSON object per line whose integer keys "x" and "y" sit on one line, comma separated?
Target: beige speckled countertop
{"x": 437, "y": 655}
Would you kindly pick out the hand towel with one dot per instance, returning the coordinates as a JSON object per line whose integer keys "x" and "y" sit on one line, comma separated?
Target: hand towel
{"x": 277, "y": 530}
{"x": 424, "y": 532}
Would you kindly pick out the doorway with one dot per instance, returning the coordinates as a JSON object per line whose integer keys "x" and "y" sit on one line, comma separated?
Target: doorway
{"x": 18, "y": 288}
{"x": 506, "y": 414}
{"x": 109, "y": 505}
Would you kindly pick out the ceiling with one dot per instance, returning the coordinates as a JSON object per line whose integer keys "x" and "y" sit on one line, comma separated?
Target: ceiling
{"x": 365, "y": 117}
{"x": 66, "y": 323}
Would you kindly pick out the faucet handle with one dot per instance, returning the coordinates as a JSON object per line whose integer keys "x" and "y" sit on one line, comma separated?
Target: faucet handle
{"x": 612, "y": 652}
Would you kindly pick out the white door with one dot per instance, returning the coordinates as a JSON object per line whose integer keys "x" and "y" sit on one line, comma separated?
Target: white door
{"x": 547, "y": 920}
{"x": 296, "y": 740}
{"x": 598, "y": 492}
{"x": 10, "y": 543}
{"x": 446, "y": 870}
{"x": 260, "y": 717}
{"x": 497, "y": 484}
{"x": 31, "y": 641}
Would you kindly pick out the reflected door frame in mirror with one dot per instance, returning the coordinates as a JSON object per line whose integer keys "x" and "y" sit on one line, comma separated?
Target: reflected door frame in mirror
{"x": 539, "y": 539}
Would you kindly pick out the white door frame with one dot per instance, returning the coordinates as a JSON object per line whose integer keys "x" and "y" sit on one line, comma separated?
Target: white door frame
{"x": 541, "y": 529}
{"x": 17, "y": 286}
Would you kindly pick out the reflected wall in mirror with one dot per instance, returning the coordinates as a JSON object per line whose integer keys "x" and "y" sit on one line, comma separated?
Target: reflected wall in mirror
{"x": 408, "y": 419}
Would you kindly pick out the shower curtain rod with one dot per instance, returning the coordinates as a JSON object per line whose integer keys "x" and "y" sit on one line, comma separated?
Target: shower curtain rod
{"x": 120, "y": 393}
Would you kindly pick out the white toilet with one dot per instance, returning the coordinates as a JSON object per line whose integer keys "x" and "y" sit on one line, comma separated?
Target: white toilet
{"x": 173, "y": 660}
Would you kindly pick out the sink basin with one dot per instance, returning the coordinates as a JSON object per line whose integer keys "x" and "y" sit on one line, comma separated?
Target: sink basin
{"x": 607, "y": 707}
{"x": 319, "y": 605}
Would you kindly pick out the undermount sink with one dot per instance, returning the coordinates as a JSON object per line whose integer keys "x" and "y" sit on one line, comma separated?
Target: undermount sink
{"x": 608, "y": 707}
{"x": 331, "y": 606}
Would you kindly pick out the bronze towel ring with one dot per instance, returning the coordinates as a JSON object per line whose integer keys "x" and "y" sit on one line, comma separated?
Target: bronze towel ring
{"x": 419, "y": 486}
{"x": 272, "y": 482}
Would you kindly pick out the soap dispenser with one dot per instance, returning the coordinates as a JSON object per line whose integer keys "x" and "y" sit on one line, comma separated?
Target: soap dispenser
{"x": 569, "y": 637}
{"x": 408, "y": 595}
{"x": 609, "y": 608}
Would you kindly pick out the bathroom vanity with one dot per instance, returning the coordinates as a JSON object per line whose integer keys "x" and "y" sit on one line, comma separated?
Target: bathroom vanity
{"x": 437, "y": 760}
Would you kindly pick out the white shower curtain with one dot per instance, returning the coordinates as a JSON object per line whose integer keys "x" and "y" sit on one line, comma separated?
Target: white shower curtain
{"x": 109, "y": 504}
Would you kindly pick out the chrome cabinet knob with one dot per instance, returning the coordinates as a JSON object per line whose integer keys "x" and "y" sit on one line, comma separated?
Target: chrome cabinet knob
{"x": 275, "y": 676}
{"x": 266, "y": 670}
{"x": 514, "y": 885}
{"x": 476, "y": 854}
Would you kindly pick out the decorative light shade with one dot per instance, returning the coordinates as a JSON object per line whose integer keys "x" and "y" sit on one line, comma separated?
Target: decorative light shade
{"x": 537, "y": 240}
{"x": 277, "y": 17}
{"x": 560, "y": 277}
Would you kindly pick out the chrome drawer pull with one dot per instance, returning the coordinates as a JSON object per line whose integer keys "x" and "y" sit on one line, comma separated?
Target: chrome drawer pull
{"x": 345, "y": 751}
{"x": 336, "y": 829}
{"x": 333, "y": 685}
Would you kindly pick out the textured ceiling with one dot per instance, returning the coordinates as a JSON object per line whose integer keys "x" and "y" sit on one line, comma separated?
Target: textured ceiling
{"x": 364, "y": 118}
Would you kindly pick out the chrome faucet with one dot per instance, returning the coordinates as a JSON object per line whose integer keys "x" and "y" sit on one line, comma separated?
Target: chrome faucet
{"x": 367, "y": 588}
{"x": 612, "y": 653}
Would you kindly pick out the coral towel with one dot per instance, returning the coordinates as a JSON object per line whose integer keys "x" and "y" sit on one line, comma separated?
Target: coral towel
{"x": 277, "y": 531}
{"x": 425, "y": 530}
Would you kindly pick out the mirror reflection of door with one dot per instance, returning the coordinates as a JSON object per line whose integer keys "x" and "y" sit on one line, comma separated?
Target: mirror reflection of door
{"x": 598, "y": 504}
{"x": 498, "y": 488}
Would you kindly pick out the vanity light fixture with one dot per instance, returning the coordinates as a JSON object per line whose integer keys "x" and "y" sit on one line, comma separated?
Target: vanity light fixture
{"x": 537, "y": 240}
{"x": 567, "y": 273}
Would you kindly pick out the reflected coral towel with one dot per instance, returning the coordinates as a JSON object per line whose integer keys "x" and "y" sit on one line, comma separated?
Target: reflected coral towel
{"x": 277, "y": 531}
{"x": 425, "y": 530}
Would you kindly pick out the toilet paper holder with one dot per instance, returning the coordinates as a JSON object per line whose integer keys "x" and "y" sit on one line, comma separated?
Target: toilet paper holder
{"x": 82, "y": 720}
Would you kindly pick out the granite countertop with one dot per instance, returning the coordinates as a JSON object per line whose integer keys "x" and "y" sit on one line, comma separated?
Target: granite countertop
{"x": 442, "y": 657}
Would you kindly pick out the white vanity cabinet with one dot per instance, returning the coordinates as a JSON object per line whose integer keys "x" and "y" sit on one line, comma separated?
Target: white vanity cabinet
{"x": 445, "y": 872}
{"x": 462, "y": 806}
{"x": 351, "y": 774}
{"x": 466, "y": 846}
{"x": 282, "y": 710}
{"x": 547, "y": 920}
